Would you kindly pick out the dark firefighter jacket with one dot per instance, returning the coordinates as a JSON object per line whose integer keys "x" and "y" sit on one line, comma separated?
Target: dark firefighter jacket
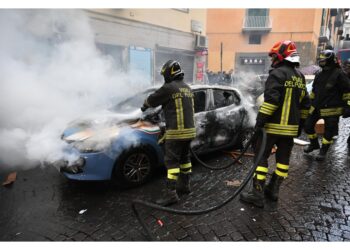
{"x": 177, "y": 103}
{"x": 330, "y": 92}
{"x": 286, "y": 101}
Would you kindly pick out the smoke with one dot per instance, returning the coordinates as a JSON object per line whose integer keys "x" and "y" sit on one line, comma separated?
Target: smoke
{"x": 50, "y": 74}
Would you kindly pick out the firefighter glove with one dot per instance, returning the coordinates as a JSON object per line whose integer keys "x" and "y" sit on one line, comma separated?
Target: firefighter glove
{"x": 346, "y": 112}
{"x": 144, "y": 108}
{"x": 260, "y": 121}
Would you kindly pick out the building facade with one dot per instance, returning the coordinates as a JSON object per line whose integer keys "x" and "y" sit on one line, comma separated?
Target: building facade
{"x": 240, "y": 39}
{"x": 141, "y": 40}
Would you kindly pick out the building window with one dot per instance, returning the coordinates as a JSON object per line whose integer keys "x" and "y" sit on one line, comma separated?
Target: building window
{"x": 257, "y": 18}
{"x": 254, "y": 39}
{"x": 257, "y": 12}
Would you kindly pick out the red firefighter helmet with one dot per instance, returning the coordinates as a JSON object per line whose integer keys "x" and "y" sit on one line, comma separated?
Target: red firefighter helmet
{"x": 285, "y": 50}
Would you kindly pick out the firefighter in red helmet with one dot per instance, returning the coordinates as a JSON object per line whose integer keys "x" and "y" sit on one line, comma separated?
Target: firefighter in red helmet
{"x": 282, "y": 113}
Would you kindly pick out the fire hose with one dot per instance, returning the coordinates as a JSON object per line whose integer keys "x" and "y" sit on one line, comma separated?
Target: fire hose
{"x": 135, "y": 202}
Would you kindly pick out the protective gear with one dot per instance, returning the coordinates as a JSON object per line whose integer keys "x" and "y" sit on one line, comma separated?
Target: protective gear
{"x": 170, "y": 196}
{"x": 330, "y": 91}
{"x": 312, "y": 146}
{"x": 284, "y": 50}
{"x": 171, "y": 71}
{"x": 260, "y": 121}
{"x": 272, "y": 189}
{"x": 183, "y": 184}
{"x": 327, "y": 58}
{"x": 176, "y": 99}
{"x": 256, "y": 195}
{"x": 286, "y": 101}
{"x": 144, "y": 108}
{"x": 330, "y": 97}
{"x": 323, "y": 152}
{"x": 346, "y": 112}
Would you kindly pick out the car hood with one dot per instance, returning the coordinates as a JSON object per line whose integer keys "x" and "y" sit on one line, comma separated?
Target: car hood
{"x": 105, "y": 125}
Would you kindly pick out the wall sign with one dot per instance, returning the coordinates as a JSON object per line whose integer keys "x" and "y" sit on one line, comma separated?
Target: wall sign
{"x": 252, "y": 61}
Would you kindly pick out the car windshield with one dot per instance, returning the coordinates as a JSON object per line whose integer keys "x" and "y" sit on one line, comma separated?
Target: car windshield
{"x": 132, "y": 103}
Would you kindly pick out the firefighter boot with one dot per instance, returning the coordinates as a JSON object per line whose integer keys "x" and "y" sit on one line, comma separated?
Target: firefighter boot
{"x": 170, "y": 196}
{"x": 256, "y": 195}
{"x": 272, "y": 189}
{"x": 312, "y": 146}
{"x": 183, "y": 184}
{"x": 323, "y": 152}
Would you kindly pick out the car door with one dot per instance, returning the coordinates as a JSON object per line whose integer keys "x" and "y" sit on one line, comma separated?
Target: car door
{"x": 201, "y": 98}
{"x": 224, "y": 118}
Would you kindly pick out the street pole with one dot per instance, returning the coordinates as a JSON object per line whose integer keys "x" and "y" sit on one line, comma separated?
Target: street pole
{"x": 221, "y": 57}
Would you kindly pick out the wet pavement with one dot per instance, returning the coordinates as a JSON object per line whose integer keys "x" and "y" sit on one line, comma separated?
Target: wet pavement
{"x": 314, "y": 205}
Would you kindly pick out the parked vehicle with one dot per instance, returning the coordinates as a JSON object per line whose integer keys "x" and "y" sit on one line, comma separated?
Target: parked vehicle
{"x": 121, "y": 144}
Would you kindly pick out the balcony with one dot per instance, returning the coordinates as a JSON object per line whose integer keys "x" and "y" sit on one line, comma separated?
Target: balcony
{"x": 324, "y": 34}
{"x": 257, "y": 24}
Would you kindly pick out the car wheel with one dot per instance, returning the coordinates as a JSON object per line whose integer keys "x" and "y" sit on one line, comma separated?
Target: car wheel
{"x": 134, "y": 167}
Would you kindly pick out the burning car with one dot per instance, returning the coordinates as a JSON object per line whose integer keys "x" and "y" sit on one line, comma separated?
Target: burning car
{"x": 121, "y": 144}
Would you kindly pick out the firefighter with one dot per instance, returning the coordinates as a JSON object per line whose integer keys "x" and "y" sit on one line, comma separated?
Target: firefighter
{"x": 176, "y": 99}
{"x": 330, "y": 96}
{"x": 346, "y": 113}
{"x": 285, "y": 106}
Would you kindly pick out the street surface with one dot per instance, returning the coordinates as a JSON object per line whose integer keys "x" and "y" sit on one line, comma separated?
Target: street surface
{"x": 314, "y": 205}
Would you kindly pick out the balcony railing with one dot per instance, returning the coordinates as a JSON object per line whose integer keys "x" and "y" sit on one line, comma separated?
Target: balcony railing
{"x": 257, "y": 23}
{"x": 324, "y": 34}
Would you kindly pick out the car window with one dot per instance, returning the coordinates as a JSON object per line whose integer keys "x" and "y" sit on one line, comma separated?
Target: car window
{"x": 224, "y": 98}
{"x": 199, "y": 100}
{"x": 132, "y": 103}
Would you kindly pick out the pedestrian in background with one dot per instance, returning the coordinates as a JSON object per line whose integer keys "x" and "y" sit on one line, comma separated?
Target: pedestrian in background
{"x": 285, "y": 106}
{"x": 176, "y": 99}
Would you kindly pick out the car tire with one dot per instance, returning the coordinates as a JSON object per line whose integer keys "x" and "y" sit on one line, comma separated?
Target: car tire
{"x": 134, "y": 167}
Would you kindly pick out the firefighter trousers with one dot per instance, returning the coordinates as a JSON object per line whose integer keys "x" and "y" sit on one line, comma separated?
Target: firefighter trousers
{"x": 284, "y": 148}
{"x": 330, "y": 126}
{"x": 177, "y": 158}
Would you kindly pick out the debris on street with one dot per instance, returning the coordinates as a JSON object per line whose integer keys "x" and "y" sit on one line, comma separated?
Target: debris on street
{"x": 11, "y": 178}
{"x": 82, "y": 211}
{"x": 233, "y": 183}
{"x": 160, "y": 223}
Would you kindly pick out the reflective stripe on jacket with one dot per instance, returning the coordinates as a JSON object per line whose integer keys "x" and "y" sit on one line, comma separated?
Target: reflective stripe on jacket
{"x": 177, "y": 103}
{"x": 286, "y": 101}
{"x": 330, "y": 92}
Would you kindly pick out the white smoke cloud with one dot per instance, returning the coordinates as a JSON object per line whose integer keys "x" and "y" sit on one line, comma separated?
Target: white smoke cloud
{"x": 50, "y": 74}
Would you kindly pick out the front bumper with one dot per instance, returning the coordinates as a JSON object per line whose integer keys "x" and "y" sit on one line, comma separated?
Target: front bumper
{"x": 97, "y": 167}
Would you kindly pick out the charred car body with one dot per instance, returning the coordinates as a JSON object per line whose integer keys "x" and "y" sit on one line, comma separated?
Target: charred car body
{"x": 121, "y": 144}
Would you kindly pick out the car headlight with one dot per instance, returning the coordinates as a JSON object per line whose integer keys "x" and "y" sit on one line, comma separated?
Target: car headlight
{"x": 75, "y": 167}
